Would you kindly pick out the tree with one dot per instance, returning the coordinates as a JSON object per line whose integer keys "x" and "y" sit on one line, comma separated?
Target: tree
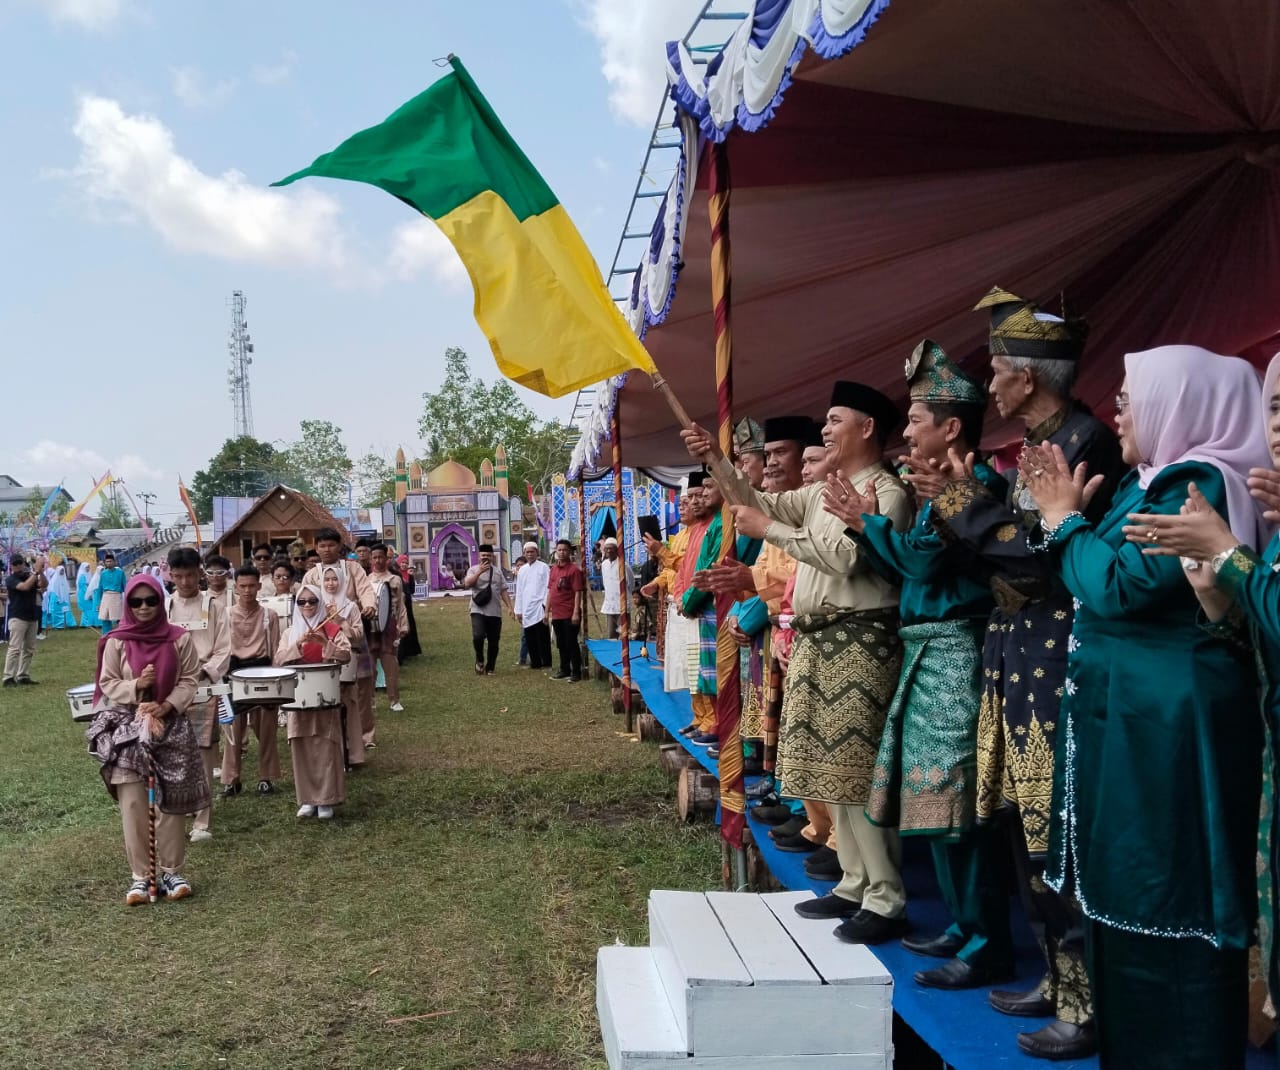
{"x": 319, "y": 462}
{"x": 243, "y": 468}
{"x": 466, "y": 420}
{"x": 115, "y": 514}
{"x": 374, "y": 478}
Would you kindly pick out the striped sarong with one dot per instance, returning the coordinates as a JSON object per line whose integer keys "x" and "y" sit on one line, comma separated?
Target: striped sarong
{"x": 926, "y": 772}
{"x": 706, "y": 648}
{"x": 844, "y": 670}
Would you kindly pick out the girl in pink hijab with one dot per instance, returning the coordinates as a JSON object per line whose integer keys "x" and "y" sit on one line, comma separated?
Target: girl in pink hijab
{"x": 146, "y": 677}
{"x": 1156, "y": 789}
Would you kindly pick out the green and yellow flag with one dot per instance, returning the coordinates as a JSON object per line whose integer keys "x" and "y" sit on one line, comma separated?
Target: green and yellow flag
{"x": 539, "y": 297}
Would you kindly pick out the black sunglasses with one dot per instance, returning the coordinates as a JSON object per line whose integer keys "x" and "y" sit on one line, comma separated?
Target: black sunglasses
{"x": 308, "y": 601}
{"x": 145, "y": 600}
{"x": 262, "y": 557}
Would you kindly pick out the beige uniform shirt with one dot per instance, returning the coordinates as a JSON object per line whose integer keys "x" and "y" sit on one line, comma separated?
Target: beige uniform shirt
{"x": 211, "y": 637}
{"x": 832, "y": 575}
{"x": 359, "y": 589}
{"x": 120, "y": 689}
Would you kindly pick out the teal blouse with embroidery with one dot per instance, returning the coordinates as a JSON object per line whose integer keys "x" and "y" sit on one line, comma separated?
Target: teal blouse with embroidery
{"x": 1156, "y": 785}
{"x": 939, "y": 581}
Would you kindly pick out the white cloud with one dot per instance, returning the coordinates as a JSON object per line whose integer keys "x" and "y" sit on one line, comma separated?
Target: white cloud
{"x": 50, "y": 462}
{"x": 130, "y": 162}
{"x": 419, "y": 245}
{"x": 276, "y": 73}
{"x": 191, "y": 87}
{"x": 84, "y": 14}
{"x": 632, "y": 40}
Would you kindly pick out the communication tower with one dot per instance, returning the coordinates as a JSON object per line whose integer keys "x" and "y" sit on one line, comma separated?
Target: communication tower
{"x": 241, "y": 350}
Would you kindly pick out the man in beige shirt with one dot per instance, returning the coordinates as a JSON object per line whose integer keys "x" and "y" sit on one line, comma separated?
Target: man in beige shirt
{"x": 846, "y": 659}
{"x": 201, "y": 615}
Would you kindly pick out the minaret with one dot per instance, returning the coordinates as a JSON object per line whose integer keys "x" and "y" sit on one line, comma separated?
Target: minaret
{"x": 415, "y": 477}
{"x": 500, "y": 473}
{"x": 486, "y": 473}
{"x": 402, "y": 477}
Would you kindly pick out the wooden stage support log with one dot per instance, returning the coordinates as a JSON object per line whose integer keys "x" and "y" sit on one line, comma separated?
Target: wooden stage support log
{"x": 599, "y": 671}
{"x": 759, "y": 876}
{"x": 674, "y": 759}
{"x": 615, "y": 694}
{"x": 697, "y": 793}
{"x": 651, "y": 730}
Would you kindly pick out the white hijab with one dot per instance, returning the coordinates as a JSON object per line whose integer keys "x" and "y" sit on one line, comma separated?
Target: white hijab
{"x": 306, "y": 617}
{"x": 340, "y": 600}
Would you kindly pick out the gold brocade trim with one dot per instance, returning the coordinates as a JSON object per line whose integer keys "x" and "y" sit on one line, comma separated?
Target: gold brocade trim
{"x": 1241, "y": 561}
{"x": 1074, "y": 997}
{"x": 956, "y": 496}
{"x": 1006, "y": 532}
{"x": 1047, "y": 428}
{"x": 1015, "y": 767}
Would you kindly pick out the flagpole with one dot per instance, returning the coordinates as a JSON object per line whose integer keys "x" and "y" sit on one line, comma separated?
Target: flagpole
{"x": 582, "y": 542}
{"x": 624, "y": 618}
{"x": 733, "y": 802}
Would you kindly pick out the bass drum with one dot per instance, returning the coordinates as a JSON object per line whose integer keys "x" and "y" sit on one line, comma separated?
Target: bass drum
{"x": 317, "y": 687}
{"x": 382, "y": 619}
{"x": 263, "y": 686}
{"x": 81, "y": 701}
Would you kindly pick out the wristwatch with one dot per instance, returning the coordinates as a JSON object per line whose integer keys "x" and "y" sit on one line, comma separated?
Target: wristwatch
{"x": 1218, "y": 560}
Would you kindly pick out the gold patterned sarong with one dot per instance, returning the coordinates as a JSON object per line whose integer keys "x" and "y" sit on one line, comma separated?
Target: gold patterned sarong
{"x": 841, "y": 678}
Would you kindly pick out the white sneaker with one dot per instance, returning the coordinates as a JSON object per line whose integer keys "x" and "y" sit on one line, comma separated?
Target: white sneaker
{"x": 139, "y": 892}
{"x": 324, "y": 812}
{"x": 217, "y": 772}
{"x": 396, "y": 708}
{"x": 306, "y": 810}
{"x": 200, "y": 835}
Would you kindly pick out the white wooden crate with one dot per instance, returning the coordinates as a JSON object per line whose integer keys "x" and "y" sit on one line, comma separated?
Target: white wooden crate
{"x": 740, "y": 980}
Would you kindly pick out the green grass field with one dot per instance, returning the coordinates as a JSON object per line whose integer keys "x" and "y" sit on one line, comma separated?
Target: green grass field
{"x": 502, "y": 831}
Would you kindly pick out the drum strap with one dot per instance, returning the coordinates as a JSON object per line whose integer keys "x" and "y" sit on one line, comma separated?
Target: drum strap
{"x": 206, "y": 600}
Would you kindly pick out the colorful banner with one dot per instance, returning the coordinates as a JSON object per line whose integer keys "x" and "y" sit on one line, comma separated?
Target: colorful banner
{"x": 78, "y": 508}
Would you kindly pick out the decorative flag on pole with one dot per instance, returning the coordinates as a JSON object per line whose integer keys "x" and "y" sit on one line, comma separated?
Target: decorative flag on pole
{"x": 539, "y": 297}
{"x": 142, "y": 517}
{"x": 79, "y": 507}
{"x": 48, "y": 504}
{"x": 191, "y": 512}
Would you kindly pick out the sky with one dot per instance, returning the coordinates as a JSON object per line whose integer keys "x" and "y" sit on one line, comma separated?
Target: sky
{"x": 141, "y": 137}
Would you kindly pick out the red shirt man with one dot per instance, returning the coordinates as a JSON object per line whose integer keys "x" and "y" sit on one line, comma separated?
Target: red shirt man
{"x": 564, "y": 610}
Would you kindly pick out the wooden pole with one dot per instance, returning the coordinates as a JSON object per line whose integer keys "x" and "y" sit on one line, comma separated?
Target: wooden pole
{"x": 624, "y": 618}
{"x": 586, "y": 587}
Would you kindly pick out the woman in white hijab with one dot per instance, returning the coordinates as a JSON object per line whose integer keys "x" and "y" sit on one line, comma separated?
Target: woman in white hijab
{"x": 315, "y": 736}
{"x": 336, "y": 602}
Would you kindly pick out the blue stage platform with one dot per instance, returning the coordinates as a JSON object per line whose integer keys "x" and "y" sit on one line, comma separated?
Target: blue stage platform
{"x": 960, "y": 1026}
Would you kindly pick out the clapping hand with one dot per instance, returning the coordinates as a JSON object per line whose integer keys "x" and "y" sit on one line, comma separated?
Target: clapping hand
{"x": 1056, "y": 488}
{"x": 147, "y": 678}
{"x": 841, "y": 499}
{"x": 1264, "y": 485}
{"x": 1196, "y": 532}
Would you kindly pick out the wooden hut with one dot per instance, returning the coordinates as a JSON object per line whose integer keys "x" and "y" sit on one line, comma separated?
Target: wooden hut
{"x": 277, "y": 518}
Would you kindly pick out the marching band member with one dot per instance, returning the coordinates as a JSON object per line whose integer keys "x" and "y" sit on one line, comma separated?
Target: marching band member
{"x": 384, "y": 645}
{"x": 217, "y": 570}
{"x": 147, "y": 674}
{"x": 282, "y": 578}
{"x": 315, "y": 736}
{"x": 200, "y": 614}
{"x": 255, "y": 635}
{"x": 339, "y": 606}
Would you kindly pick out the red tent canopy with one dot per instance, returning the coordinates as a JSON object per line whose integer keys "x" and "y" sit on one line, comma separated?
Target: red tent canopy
{"x": 1122, "y": 151}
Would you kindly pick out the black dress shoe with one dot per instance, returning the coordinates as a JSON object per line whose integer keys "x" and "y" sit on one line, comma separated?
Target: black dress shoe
{"x": 823, "y": 856}
{"x": 1060, "y": 1040}
{"x": 688, "y": 729}
{"x": 1032, "y": 1004}
{"x": 796, "y": 844}
{"x": 713, "y": 752}
{"x": 867, "y": 927}
{"x": 763, "y": 790}
{"x": 752, "y": 767}
{"x": 958, "y": 974}
{"x": 938, "y": 947}
{"x": 773, "y": 815}
{"x": 828, "y": 906}
{"x": 265, "y": 787}
{"x": 829, "y": 870}
{"x": 230, "y": 790}
{"x": 788, "y": 828}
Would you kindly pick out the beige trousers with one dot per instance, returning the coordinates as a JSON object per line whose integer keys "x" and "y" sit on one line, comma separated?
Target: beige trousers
{"x": 364, "y": 689}
{"x": 171, "y": 840}
{"x": 820, "y": 829}
{"x": 22, "y": 644}
{"x": 355, "y": 733}
{"x": 262, "y": 719}
{"x": 210, "y": 756}
{"x": 871, "y": 858}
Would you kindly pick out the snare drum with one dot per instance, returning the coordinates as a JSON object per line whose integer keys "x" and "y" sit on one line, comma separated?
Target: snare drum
{"x": 263, "y": 685}
{"x": 317, "y": 686}
{"x": 81, "y": 700}
{"x": 279, "y": 604}
{"x": 347, "y": 673}
{"x": 382, "y": 618}
{"x": 207, "y": 691}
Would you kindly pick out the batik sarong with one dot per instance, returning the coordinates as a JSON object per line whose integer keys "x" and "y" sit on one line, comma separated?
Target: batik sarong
{"x": 843, "y": 672}
{"x": 925, "y": 775}
{"x": 182, "y": 784}
{"x": 751, "y": 662}
{"x": 772, "y": 716}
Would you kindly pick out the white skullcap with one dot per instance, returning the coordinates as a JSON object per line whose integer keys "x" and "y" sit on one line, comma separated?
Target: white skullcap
{"x": 531, "y": 545}
{"x": 611, "y": 541}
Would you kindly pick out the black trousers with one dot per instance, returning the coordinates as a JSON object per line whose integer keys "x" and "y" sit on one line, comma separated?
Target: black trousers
{"x": 567, "y": 644}
{"x": 482, "y": 628}
{"x": 538, "y": 638}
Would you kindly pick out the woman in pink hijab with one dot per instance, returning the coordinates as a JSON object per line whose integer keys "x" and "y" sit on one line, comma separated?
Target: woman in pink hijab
{"x": 1157, "y": 784}
{"x": 146, "y": 678}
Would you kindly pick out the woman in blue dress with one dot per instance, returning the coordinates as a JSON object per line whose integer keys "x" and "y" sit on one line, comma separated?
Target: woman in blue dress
{"x": 1158, "y": 780}
{"x": 85, "y": 597}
